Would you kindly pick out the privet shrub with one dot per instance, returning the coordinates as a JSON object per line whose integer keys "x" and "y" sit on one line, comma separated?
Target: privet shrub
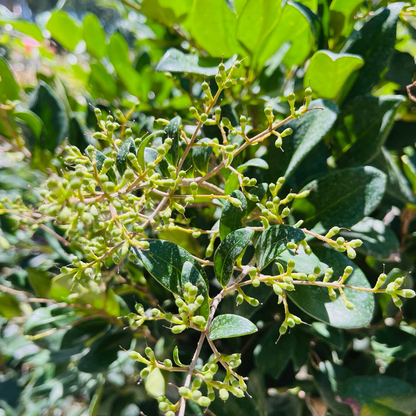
{"x": 142, "y": 249}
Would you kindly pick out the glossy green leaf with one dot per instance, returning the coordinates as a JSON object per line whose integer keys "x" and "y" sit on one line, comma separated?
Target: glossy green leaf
{"x": 201, "y": 156}
{"x": 104, "y": 351}
{"x": 410, "y": 171}
{"x": 176, "y": 61}
{"x": 397, "y": 184}
{"x": 231, "y": 216}
{"x": 50, "y": 109}
{"x": 273, "y": 241}
{"x": 94, "y": 36}
{"x": 379, "y": 395}
{"x": 304, "y": 263}
{"x": 342, "y": 14}
{"x": 227, "y": 253}
{"x": 307, "y": 133}
{"x": 118, "y": 53}
{"x": 315, "y": 300}
{"x": 142, "y": 146}
{"x": 375, "y": 43}
{"x": 328, "y": 72}
{"x": 165, "y": 261}
{"x": 31, "y": 120}
{"x": 230, "y": 326}
{"x": 362, "y": 128}
{"x": 9, "y": 90}
{"x": 100, "y": 162}
{"x": 255, "y": 162}
{"x": 379, "y": 241}
{"x": 121, "y": 158}
{"x": 173, "y": 132}
{"x": 266, "y": 14}
{"x": 343, "y": 197}
{"x": 64, "y": 29}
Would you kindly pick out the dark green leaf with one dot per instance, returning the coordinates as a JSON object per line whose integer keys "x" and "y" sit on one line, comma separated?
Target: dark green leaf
{"x": 379, "y": 241}
{"x": 381, "y": 396}
{"x": 9, "y": 306}
{"x": 231, "y": 216}
{"x": 83, "y": 332}
{"x": 64, "y": 29}
{"x": 173, "y": 132}
{"x": 104, "y": 351}
{"x": 176, "y": 61}
{"x": 375, "y": 43}
{"x": 9, "y": 90}
{"x": 304, "y": 263}
{"x": 328, "y": 73}
{"x": 362, "y": 128}
{"x": 51, "y": 111}
{"x": 201, "y": 156}
{"x": 100, "y": 161}
{"x": 230, "y": 326}
{"x": 32, "y": 121}
{"x": 343, "y": 197}
{"x": 391, "y": 343}
{"x": 94, "y": 36}
{"x": 227, "y": 253}
{"x": 402, "y": 68}
{"x": 315, "y": 300}
{"x": 273, "y": 241}
{"x": 121, "y": 159}
{"x": 307, "y": 133}
{"x": 165, "y": 261}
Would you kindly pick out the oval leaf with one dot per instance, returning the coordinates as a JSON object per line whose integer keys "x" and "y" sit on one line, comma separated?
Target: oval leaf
{"x": 121, "y": 159}
{"x": 9, "y": 89}
{"x": 201, "y": 156}
{"x": 64, "y": 30}
{"x": 343, "y": 197}
{"x": 173, "y": 132}
{"x": 230, "y": 326}
{"x": 227, "y": 253}
{"x": 272, "y": 242}
{"x": 315, "y": 300}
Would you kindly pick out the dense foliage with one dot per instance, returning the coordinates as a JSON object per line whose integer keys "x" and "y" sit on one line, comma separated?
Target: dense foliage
{"x": 207, "y": 207}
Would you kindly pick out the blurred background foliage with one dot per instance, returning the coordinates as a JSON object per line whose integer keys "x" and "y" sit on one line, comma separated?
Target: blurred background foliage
{"x": 60, "y": 58}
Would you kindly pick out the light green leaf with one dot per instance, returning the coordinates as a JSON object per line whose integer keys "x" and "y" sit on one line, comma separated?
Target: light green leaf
{"x": 342, "y": 14}
{"x": 315, "y": 300}
{"x": 155, "y": 384}
{"x": 230, "y": 326}
{"x": 31, "y": 120}
{"x": 94, "y": 36}
{"x": 273, "y": 241}
{"x": 228, "y": 252}
{"x": 9, "y": 90}
{"x": 328, "y": 72}
{"x": 176, "y": 61}
{"x": 64, "y": 29}
{"x": 25, "y": 27}
{"x": 255, "y": 162}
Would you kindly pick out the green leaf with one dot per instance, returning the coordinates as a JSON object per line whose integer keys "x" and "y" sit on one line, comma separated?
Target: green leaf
{"x": 81, "y": 333}
{"x": 381, "y": 396}
{"x": 142, "y": 146}
{"x": 410, "y": 170}
{"x": 255, "y": 162}
{"x": 31, "y": 120}
{"x": 379, "y": 241}
{"x": 230, "y": 326}
{"x": 104, "y": 351}
{"x": 216, "y": 35}
{"x": 166, "y": 12}
{"x": 307, "y": 133}
{"x": 201, "y": 156}
{"x": 342, "y": 14}
{"x": 227, "y": 253}
{"x": 9, "y": 306}
{"x": 173, "y": 132}
{"x": 273, "y": 241}
{"x": 231, "y": 216}
{"x": 100, "y": 162}
{"x": 118, "y": 53}
{"x": 94, "y": 36}
{"x": 315, "y": 300}
{"x": 50, "y": 109}
{"x": 343, "y": 197}
{"x": 64, "y": 29}
{"x": 155, "y": 384}
{"x": 328, "y": 73}
{"x": 375, "y": 43}
{"x": 176, "y": 61}
{"x": 102, "y": 83}
{"x": 9, "y": 90}
{"x": 397, "y": 184}
{"x": 25, "y": 27}
{"x": 48, "y": 317}
{"x": 265, "y": 13}
{"x": 121, "y": 158}
{"x": 165, "y": 261}
{"x": 304, "y": 263}
{"x": 362, "y": 128}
